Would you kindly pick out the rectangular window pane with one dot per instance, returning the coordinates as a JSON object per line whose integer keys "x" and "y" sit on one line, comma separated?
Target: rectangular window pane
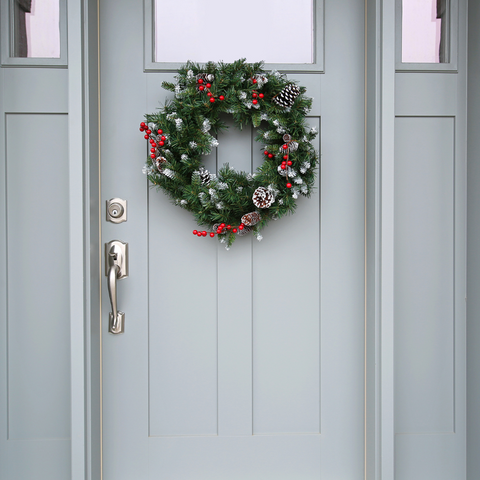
{"x": 36, "y": 28}
{"x": 425, "y": 32}
{"x": 275, "y": 31}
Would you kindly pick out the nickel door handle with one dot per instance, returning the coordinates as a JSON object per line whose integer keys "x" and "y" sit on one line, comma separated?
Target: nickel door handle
{"x": 116, "y": 267}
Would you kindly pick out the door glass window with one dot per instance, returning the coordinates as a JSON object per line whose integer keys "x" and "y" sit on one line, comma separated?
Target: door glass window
{"x": 425, "y": 31}
{"x": 36, "y": 28}
{"x": 275, "y": 31}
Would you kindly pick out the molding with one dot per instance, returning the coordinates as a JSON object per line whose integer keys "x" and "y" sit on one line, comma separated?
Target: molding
{"x": 380, "y": 435}
{"x": 8, "y": 61}
{"x": 318, "y": 66}
{"x": 453, "y": 28}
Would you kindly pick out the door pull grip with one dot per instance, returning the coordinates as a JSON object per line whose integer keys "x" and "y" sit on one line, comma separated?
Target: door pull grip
{"x": 116, "y": 268}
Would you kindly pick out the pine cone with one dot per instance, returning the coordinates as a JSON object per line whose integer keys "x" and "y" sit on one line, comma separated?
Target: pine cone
{"x": 159, "y": 163}
{"x": 250, "y": 219}
{"x": 263, "y": 198}
{"x": 245, "y": 231}
{"x": 287, "y": 96}
{"x": 205, "y": 176}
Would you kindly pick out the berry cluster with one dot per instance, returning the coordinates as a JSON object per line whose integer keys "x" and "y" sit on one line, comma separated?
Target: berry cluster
{"x": 202, "y": 234}
{"x": 286, "y": 162}
{"x": 202, "y": 86}
{"x": 223, "y": 228}
{"x": 154, "y": 140}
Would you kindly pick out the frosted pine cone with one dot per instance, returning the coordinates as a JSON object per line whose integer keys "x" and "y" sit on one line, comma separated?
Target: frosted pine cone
{"x": 287, "y": 96}
{"x": 245, "y": 231}
{"x": 205, "y": 176}
{"x": 159, "y": 162}
{"x": 263, "y": 198}
{"x": 250, "y": 219}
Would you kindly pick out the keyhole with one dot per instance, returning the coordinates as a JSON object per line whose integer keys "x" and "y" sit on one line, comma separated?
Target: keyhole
{"x": 115, "y": 212}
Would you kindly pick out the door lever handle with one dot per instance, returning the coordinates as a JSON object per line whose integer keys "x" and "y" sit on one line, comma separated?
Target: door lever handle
{"x": 116, "y": 267}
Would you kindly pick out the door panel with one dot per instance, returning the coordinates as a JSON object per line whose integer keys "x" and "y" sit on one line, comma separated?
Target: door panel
{"x": 35, "y": 375}
{"x": 245, "y": 363}
{"x": 430, "y": 263}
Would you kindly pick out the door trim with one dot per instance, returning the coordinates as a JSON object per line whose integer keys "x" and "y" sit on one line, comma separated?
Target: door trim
{"x": 379, "y": 111}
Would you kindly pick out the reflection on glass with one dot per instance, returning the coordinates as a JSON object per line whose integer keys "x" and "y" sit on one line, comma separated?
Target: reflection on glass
{"x": 36, "y": 28}
{"x": 425, "y": 31}
{"x": 276, "y": 31}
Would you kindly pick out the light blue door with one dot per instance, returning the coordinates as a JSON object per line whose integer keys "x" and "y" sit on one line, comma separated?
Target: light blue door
{"x": 245, "y": 363}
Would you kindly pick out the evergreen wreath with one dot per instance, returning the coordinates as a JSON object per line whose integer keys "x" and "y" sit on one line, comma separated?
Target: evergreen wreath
{"x": 230, "y": 203}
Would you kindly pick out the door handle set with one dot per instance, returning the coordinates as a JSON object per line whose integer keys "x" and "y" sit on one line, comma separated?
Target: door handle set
{"x": 116, "y": 268}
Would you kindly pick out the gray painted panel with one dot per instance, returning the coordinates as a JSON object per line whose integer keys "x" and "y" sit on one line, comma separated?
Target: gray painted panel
{"x": 35, "y": 90}
{"x": 183, "y": 334}
{"x": 235, "y": 304}
{"x": 38, "y": 459}
{"x": 258, "y": 457}
{"x": 425, "y": 94}
{"x": 38, "y": 286}
{"x": 286, "y": 323}
{"x": 422, "y": 457}
{"x": 424, "y": 275}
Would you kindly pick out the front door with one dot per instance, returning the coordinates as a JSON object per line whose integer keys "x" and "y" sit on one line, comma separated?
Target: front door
{"x": 246, "y": 363}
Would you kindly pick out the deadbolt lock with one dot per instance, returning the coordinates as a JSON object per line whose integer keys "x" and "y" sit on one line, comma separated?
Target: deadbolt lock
{"x": 116, "y": 210}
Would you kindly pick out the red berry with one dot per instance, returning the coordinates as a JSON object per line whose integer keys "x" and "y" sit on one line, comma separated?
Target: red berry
{"x": 152, "y": 141}
{"x": 285, "y": 157}
{"x": 209, "y": 85}
{"x": 201, "y": 88}
{"x": 200, "y": 80}
{"x": 289, "y": 163}
{"x": 199, "y": 234}
{"x": 161, "y": 144}
{"x": 145, "y": 137}
{"x": 241, "y": 226}
{"x": 209, "y": 94}
{"x": 160, "y": 132}
{"x": 255, "y": 101}
{"x": 229, "y": 227}
{"x": 142, "y": 129}
{"x": 234, "y": 230}
{"x": 163, "y": 139}
{"x": 152, "y": 155}
{"x": 149, "y": 132}
{"x": 212, "y": 234}
{"x": 289, "y": 185}
{"x": 222, "y": 225}
{"x": 270, "y": 155}
{"x": 204, "y": 233}
{"x": 143, "y": 124}
{"x": 261, "y": 95}
{"x": 266, "y": 152}
{"x": 221, "y": 97}
{"x": 212, "y": 99}
{"x": 254, "y": 95}
{"x": 195, "y": 232}
{"x": 152, "y": 150}
{"x": 283, "y": 167}
{"x": 254, "y": 80}
{"x": 285, "y": 146}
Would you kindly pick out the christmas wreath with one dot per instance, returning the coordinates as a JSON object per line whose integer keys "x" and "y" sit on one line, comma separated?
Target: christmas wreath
{"x": 231, "y": 203}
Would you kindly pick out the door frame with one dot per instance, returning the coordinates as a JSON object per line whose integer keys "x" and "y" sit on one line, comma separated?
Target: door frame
{"x": 85, "y": 229}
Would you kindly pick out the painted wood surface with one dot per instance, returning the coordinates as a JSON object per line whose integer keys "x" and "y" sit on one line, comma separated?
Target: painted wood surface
{"x": 246, "y": 363}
